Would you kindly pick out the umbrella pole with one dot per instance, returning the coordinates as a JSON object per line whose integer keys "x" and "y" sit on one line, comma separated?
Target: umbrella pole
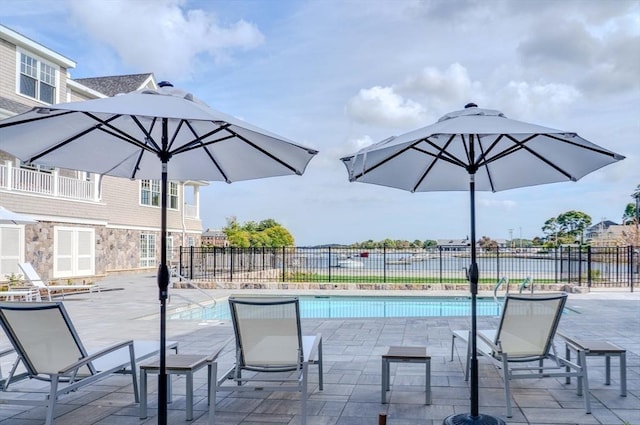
{"x": 163, "y": 285}
{"x": 474, "y": 417}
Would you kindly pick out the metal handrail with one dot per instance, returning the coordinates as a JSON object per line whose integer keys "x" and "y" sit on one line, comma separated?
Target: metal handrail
{"x": 190, "y": 284}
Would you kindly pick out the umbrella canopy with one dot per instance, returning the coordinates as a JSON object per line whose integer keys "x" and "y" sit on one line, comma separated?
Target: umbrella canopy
{"x": 131, "y": 135}
{"x": 164, "y": 134}
{"x": 10, "y": 217}
{"x": 502, "y": 154}
{"x": 476, "y": 149}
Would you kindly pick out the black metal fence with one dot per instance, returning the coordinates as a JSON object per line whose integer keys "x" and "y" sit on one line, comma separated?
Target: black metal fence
{"x": 581, "y": 265}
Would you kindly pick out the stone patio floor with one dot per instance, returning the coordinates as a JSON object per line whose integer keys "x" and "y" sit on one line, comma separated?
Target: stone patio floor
{"x": 129, "y": 308}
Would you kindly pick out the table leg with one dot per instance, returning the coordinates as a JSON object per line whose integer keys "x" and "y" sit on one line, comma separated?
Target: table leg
{"x": 428, "y": 381}
{"x": 143, "y": 393}
{"x": 623, "y": 374}
{"x": 385, "y": 380}
{"x": 190, "y": 395}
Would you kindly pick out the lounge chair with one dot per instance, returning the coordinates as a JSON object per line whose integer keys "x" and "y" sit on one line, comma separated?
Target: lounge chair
{"x": 49, "y": 348}
{"x": 270, "y": 349}
{"x": 32, "y": 277}
{"x": 26, "y": 294}
{"x": 527, "y": 327}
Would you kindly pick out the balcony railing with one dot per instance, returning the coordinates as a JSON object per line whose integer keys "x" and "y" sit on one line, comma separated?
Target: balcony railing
{"x": 46, "y": 183}
{"x": 191, "y": 211}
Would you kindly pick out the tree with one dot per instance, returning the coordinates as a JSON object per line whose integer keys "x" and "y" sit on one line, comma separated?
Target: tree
{"x": 487, "y": 244}
{"x": 630, "y": 215}
{"x": 266, "y": 233}
{"x": 567, "y": 227}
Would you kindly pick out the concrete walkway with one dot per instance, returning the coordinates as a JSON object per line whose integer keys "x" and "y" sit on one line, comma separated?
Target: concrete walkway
{"x": 352, "y": 348}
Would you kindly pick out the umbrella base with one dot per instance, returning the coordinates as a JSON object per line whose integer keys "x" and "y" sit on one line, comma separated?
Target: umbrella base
{"x": 467, "y": 419}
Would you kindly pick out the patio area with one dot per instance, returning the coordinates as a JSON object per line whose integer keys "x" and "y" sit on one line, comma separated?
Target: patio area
{"x": 352, "y": 364}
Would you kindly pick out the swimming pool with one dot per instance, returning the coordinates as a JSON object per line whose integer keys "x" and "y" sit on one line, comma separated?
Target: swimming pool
{"x": 333, "y": 307}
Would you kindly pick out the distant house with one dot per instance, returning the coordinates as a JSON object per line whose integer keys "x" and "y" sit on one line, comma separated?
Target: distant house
{"x": 453, "y": 244}
{"x": 88, "y": 224}
{"x": 607, "y": 233}
{"x": 215, "y": 238}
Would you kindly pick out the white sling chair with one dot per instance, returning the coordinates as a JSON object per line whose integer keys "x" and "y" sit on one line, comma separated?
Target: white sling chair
{"x": 32, "y": 277}
{"x": 271, "y": 348}
{"x": 48, "y": 346}
{"x": 527, "y": 327}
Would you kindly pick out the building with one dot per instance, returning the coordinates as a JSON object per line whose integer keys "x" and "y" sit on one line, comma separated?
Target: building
{"x": 215, "y": 238}
{"x": 88, "y": 225}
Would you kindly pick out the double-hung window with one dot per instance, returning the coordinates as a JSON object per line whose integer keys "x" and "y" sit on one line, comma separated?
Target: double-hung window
{"x": 147, "y": 250}
{"x": 150, "y": 193}
{"x": 37, "y": 79}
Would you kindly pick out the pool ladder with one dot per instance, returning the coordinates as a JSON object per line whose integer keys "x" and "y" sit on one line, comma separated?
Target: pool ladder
{"x": 189, "y": 283}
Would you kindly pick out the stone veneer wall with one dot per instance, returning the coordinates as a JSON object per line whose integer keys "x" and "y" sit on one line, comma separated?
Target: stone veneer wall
{"x": 116, "y": 250}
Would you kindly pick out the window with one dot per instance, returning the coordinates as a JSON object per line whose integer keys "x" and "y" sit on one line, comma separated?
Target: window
{"x": 37, "y": 79}
{"x": 74, "y": 252}
{"x": 147, "y": 250}
{"x": 11, "y": 249}
{"x": 150, "y": 193}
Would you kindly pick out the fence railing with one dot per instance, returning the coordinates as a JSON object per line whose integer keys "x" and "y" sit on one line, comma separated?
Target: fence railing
{"x": 581, "y": 265}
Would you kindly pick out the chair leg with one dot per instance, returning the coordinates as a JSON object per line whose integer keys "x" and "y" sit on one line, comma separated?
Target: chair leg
{"x": 506, "y": 375}
{"x": 585, "y": 378}
{"x": 213, "y": 386}
{"x": 134, "y": 375}
{"x": 320, "y": 379}
{"x": 53, "y": 398}
{"x": 304, "y": 395}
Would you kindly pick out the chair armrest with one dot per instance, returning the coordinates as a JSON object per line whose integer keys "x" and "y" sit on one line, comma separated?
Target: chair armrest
{"x": 214, "y": 356}
{"x": 490, "y": 343}
{"x": 85, "y": 360}
{"x": 314, "y": 348}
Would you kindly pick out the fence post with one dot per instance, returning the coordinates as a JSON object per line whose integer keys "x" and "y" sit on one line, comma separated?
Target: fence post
{"x": 329, "y": 264}
{"x": 440, "y": 260}
{"x": 384, "y": 263}
{"x": 191, "y": 255}
{"x": 498, "y": 263}
{"x": 555, "y": 262}
{"x": 580, "y": 265}
{"x": 589, "y": 267}
{"x": 231, "y": 263}
{"x": 284, "y": 267}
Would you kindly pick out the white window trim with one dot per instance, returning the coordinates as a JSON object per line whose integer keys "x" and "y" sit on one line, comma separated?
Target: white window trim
{"x": 154, "y": 257}
{"x": 56, "y": 68}
{"x": 21, "y": 248}
{"x": 75, "y": 255}
{"x": 168, "y": 190}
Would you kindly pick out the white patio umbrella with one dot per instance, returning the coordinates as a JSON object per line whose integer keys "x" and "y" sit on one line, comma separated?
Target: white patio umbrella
{"x": 476, "y": 149}
{"x": 10, "y": 217}
{"x": 164, "y": 134}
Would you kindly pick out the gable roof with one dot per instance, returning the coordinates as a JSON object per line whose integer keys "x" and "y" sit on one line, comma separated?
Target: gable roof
{"x": 116, "y": 84}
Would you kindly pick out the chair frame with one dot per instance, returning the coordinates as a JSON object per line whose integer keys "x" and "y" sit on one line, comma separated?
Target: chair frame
{"x": 490, "y": 346}
{"x": 309, "y": 352}
{"x": 72, "y": 376}
{"x": 32, "y": 276}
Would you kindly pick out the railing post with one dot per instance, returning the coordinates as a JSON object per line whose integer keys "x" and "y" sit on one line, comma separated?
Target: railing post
{"x": 498, "y": 263}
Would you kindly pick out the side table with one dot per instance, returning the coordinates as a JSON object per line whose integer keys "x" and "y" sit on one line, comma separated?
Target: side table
{"x": 599, "y": 348}
{"x": 178, "y": 364}
{"x": 405, "y": 355}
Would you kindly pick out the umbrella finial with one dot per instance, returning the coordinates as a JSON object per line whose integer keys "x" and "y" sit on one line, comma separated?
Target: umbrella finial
{"x": 470, "y": 105}
{"x": 165, "y": 84}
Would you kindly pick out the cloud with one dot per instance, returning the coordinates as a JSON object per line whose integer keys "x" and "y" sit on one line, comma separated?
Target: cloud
{"x": 528, "y": 100}
{"x": 413, "y": 101}
{"x": 383, "y": 106}
{"x": 162, "y": 36}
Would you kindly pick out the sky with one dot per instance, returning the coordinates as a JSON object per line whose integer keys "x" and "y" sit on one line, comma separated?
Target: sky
{"x": 337, "y": 75}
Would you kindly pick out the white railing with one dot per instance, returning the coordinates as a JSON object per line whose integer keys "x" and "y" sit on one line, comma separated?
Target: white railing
{"x": 191, "y": 211}
{"x": 45, "y": 183}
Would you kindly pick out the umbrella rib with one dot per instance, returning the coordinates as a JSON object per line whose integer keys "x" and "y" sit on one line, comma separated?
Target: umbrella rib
{"x": 44, "y": 117}
{"x": 72, "y": 138}
{"x": 198, "y": 141}
{"x": 436, "y": 158}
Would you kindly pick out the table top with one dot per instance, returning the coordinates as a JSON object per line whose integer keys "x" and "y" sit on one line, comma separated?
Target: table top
{"x": 407, "y": 353}
{"x": 178, "y": 362}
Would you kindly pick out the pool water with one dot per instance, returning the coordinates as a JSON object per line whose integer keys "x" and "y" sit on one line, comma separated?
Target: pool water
{"x": 330, "y": 307}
